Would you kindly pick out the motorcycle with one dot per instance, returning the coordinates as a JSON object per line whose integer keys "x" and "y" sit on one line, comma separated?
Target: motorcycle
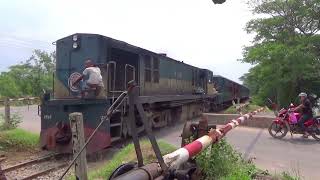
{"x": 287, "y": 121}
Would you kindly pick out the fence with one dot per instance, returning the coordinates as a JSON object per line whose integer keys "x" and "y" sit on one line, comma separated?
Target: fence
{"x": 7, "y": 102}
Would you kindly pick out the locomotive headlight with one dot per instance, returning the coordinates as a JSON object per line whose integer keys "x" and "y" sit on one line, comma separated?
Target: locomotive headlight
{"x": 75, "y": 45}
{"x": 75, "y": 37}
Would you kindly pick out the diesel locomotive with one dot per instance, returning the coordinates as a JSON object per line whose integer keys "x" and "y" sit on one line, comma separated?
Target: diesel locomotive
{"x": 169, "y": 90}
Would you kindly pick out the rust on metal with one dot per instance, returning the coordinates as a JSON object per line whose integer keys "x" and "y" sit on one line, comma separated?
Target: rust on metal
{"x": 195, "y": 130}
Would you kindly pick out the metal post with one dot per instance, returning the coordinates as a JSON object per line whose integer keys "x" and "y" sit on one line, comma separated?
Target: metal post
{"x": 148, "y": 129}
{"x": 7, "y": 113}
{"x": 133, "y": 129}
{"x": 78, "y": 141}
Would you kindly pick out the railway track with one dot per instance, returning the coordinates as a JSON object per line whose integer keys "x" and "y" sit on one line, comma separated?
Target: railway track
{"x": 36, "y": 168}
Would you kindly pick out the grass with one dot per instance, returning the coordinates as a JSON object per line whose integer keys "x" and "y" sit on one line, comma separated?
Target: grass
{"x": 127, "y": 154}
{"x": 219, "y": 162}
{"x": 18, "y": 140}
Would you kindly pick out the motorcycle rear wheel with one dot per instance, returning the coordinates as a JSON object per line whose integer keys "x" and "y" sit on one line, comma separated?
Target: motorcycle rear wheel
{"x": 278, "y": 131}
{"x": 316, "y": 137}
{"x": 316, "y": 134}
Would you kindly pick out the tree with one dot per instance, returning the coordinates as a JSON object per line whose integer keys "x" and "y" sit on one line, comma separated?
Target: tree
{"x": 285, "y": 51}
{"x": 29, "y": 78}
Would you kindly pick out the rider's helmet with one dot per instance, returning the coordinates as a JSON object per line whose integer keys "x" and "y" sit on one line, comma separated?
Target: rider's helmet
{"x": 302, "y": 94}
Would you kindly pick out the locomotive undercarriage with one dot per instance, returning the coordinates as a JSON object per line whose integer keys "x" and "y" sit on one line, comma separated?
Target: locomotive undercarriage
{"x": 159, "y": 116}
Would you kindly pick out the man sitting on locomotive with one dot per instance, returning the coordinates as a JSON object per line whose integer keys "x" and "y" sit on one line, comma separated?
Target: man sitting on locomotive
{"x": 94, "y": 79}
{"x": 306, "y": 112}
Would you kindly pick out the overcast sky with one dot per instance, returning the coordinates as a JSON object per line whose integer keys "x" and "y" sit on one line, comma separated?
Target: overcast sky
{"x": 196, "y": 32}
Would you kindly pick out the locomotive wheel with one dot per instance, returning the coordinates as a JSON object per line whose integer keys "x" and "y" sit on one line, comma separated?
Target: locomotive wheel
{"x": 316, "y": 129}
{"x": 278, "y": 131}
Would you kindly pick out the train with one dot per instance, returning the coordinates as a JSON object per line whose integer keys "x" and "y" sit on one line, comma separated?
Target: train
{"x": 170, "y": 91}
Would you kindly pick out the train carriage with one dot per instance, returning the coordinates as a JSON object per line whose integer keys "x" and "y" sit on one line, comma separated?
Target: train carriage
{"x": 230, "y": 91}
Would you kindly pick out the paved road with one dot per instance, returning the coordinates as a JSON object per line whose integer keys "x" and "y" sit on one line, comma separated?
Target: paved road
{"x": 294, "y": 155}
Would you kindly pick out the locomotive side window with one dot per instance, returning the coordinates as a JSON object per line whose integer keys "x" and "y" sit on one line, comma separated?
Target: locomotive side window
{"x": 155, "y": 70}
{"x": 111, "y": 76}
{"x": 147, "y": 68}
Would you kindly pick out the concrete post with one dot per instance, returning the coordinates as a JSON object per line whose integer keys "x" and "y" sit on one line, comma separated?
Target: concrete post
{"x": 78, "y": 141}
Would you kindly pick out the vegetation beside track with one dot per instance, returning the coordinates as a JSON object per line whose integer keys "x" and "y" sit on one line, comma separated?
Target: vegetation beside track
{"x": 30, "y": 77}
{"x": 220, "y": 161}
{"x": 18, "y": 140}
{"x": 128, "y": 154}
{"x": 245, "y": 109}
{"x": 284, "y": 51}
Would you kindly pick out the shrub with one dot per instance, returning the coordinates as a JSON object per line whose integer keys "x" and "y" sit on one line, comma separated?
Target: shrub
{"x": 222, "y": 162}
{"x": 15, "y": 120}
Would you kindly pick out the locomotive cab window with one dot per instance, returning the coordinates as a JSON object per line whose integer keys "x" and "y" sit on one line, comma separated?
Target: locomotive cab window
{"x": 147, "y": 68}
{"x": 155, "y": 70}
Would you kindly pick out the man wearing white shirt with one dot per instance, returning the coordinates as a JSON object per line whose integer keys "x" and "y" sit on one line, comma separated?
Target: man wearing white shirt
{"x": 94, "y": 79}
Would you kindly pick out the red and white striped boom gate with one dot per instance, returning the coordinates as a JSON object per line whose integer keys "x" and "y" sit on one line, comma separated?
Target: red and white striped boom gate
{"x": 175, "y": 159}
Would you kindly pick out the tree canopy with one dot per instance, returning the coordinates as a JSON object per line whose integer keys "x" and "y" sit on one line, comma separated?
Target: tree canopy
{"x": 285, "y": 50}
{"x": 29, "y": 78}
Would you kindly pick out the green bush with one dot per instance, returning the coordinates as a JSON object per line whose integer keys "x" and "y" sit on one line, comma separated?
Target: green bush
{"x": 222, "y": 162}
{"x": 15, "y": 120}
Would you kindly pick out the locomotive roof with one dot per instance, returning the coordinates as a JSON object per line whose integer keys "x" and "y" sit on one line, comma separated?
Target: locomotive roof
{"x": 139, "y": 49}
{"x": 130, "y": 46}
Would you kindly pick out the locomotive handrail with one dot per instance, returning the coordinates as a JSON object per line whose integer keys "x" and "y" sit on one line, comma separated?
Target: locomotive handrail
{"x": 125, "y": 73}
{"x": 113, "y": 81}
{"x": 117, "y": 91}
{"x": 110, "y": 111}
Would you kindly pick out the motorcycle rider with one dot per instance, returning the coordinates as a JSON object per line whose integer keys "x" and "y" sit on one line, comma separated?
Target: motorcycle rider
{"x": 306, "y": 112}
